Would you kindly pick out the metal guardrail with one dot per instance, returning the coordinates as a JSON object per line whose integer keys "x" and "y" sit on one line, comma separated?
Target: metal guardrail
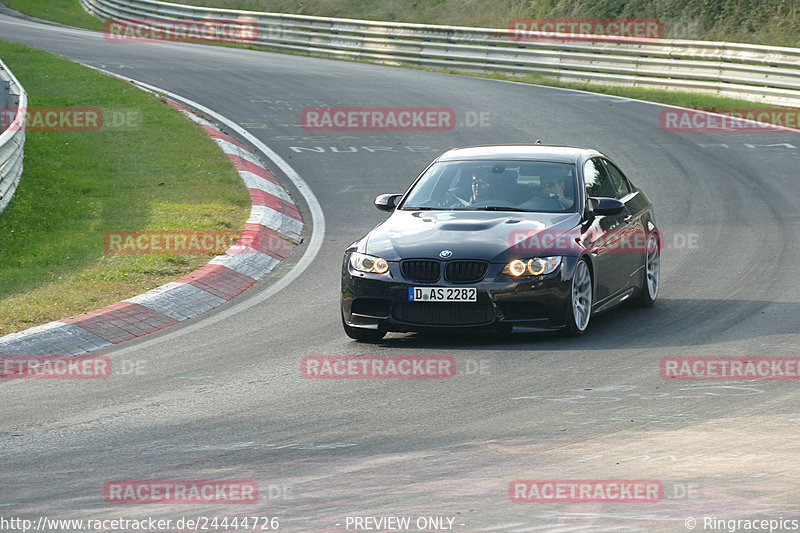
{"x": 767, "y": 74}
{"x": 12, "y": 138}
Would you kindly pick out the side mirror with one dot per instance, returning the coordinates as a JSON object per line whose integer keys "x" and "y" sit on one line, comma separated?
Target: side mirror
{"x": 387, "y": 202}
{"x": 607, "y": 206}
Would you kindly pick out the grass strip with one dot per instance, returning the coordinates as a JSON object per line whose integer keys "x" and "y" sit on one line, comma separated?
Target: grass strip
{"x": 67, "y": 12}
{"x": 152, "y": 170}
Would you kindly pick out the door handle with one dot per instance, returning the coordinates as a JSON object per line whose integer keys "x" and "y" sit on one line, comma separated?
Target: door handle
{"x": 627, "y": 218}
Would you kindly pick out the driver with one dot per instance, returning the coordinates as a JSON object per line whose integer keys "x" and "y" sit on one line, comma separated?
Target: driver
{"x": 553, "y": 187}
{"x": 481, "y": 189}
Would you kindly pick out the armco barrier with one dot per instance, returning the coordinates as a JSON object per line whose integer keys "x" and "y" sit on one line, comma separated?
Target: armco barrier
{"x": 768, "y": 74}
{"x": 12, "y": 139}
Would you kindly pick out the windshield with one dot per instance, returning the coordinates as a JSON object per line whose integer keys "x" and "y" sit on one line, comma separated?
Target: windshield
{"x": 541, "y": 186}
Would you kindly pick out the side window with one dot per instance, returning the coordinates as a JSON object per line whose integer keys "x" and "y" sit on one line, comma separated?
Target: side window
{"x": 597, "y": 180}
{"x": 618, "y": 179}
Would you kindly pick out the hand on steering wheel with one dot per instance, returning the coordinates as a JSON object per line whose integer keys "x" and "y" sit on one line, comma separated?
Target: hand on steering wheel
{"x": 460, "y": 201}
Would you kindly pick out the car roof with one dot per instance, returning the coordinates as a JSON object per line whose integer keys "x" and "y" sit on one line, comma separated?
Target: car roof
{"x": 533, "y": 152}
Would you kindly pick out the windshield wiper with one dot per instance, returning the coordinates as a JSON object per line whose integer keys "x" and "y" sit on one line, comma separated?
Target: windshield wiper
{"x": 424, "y": 208}
{"x": 500, "y": 208}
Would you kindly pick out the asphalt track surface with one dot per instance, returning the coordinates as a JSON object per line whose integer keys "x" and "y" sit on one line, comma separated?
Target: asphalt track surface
{"x": 225, "y": 399}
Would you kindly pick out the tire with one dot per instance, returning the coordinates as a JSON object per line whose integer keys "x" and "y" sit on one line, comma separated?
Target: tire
{"x": 579, "y": 306}
{"x": 648, "y": 292}
{"x": 361, "y": 334}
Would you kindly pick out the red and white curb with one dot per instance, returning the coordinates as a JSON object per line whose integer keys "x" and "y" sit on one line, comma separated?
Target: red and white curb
{"x": 271, "y": 232}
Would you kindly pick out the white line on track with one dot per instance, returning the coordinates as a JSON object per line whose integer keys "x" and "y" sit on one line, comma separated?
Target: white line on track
{"x": 317, "y": 220}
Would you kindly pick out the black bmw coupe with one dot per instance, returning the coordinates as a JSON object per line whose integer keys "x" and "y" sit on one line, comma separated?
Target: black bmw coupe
{"x": 507, "y": 236}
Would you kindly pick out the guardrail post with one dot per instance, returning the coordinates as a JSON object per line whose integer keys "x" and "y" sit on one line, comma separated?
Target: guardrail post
{"x": 5, "y": 86}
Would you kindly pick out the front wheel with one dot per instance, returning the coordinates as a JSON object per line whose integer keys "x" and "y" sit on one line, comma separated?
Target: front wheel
{"x": 361, "y": 334}
{"x": 580, "y": 301}
{"x": 652, "y": 270}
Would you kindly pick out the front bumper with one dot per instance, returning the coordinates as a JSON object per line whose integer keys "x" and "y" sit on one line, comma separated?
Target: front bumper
{"x": 380, "y": 301}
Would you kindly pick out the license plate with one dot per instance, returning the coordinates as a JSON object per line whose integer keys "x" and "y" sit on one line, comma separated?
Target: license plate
{"x": 442, "y": 294}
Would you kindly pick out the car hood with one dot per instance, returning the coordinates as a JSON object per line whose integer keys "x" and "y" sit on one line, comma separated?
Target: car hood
{"x": 488, "y": 235}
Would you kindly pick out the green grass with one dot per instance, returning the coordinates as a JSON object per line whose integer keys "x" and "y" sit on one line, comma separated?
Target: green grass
{"x": 67, "y": 12}
{"x": 160, "y": 171}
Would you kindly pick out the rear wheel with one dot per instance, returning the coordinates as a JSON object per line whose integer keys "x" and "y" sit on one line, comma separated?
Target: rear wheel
{"x": 579, "y": 310}
{"x": 361, "y": 334}
{"x": 652, "y": 271}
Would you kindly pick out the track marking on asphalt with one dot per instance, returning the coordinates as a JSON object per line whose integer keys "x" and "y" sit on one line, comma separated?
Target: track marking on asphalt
{"x": 317, "y": 220}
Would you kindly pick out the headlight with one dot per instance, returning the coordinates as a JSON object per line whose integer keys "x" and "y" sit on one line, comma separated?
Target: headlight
{"x": 516, "y": 268}
{"x": 368, "y": 263}
{"x": 537, "y": 266}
